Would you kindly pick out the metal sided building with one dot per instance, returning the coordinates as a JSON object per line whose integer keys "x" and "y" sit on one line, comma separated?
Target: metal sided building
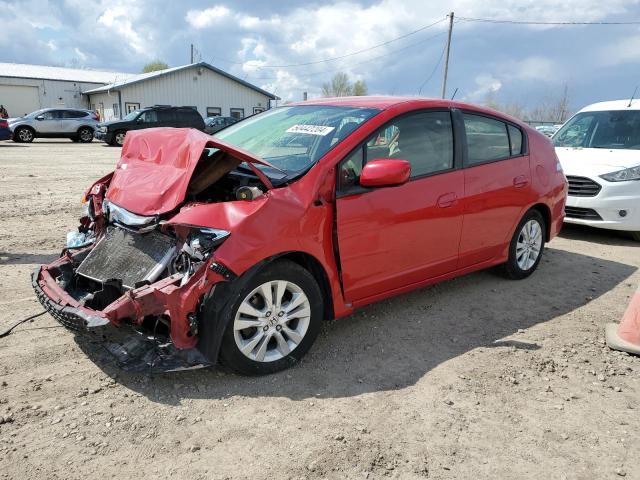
{"x": 26, "y": 88}
{"x": 202, "y": 86}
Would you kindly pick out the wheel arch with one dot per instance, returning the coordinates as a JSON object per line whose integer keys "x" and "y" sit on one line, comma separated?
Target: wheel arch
{"x": 210, "y": 336}
{"x": 545, "y": 211}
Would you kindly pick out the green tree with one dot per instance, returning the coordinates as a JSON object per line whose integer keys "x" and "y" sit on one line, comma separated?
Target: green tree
{"x": 360, "y": 88}
{"x": 341, "y": 86}
{"x": 154, "y": 66}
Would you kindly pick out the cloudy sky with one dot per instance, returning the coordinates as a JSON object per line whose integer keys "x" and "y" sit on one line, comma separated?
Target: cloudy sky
{"x": 260, "y": 40}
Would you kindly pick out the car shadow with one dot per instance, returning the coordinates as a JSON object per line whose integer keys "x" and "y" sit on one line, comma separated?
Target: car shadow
{"x": 597, "y": 235}
{"x": 394, "y": 343}
{"x": 7, "y": 258}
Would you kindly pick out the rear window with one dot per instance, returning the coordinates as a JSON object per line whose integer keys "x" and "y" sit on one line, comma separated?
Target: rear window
{"x": 487, "y": 139}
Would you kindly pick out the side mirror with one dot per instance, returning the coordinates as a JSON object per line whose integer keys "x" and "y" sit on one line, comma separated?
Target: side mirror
{"x": 385, "y": 172}
{"x": 40, "y": 117}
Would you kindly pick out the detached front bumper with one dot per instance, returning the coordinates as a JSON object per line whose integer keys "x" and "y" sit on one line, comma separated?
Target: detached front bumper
{"x": 165, "y": 298}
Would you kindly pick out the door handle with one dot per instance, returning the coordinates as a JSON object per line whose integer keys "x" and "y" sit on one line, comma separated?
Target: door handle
{"x": 447, "y": 200}
{"x": 520, "y": 181}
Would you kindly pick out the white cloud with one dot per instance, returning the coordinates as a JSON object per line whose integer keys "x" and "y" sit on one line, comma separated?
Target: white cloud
{"x": 118, "y": 19}
{"x": 81, "y": 55}
{"x": 207, "y": 17}
{"x": 52, "y": 45}
{"x": 619, "y": 53}
{"x": 485, "y": 84}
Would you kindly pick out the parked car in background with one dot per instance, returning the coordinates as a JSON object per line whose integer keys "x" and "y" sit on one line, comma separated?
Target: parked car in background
{"x": 238, "y": 245}
{"x": 599, "y": 149}
{"x": 547, "y": 130}
{"x": 75, "y": 124}
{"x": 5, "y": 131}
{"x": 115, "y": 131}
{"x": 215, "y": 124}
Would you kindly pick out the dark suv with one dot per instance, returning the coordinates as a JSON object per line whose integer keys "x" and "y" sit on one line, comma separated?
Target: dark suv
{"x": 158, "y": 116}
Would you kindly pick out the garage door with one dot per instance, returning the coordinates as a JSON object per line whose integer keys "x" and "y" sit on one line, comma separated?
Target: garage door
{"x": 19, "y": 99}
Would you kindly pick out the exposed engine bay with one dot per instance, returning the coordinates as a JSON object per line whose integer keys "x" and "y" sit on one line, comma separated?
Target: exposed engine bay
{"x": 143, "y": 255}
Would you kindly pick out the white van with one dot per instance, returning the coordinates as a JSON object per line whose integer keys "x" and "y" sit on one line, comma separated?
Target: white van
{"x": 599, "y": 150}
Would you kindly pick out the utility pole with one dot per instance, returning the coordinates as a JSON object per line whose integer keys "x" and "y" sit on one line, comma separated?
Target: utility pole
{"x": 446, "y": 59}
{"x": 192, "y": 49}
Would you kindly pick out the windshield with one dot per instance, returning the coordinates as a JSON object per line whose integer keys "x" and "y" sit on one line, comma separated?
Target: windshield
{"x": 132, "y": 115}
{"x": 616, "y": 129}
{"x": 295, "y": 138}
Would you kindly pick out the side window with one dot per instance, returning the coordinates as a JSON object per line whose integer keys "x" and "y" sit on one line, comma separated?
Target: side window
{"x": 73, "y": 114}
{"x": 487, "y": 139}
{"x": 424, "y": 139}
{"x": 214, "y": 111}
{"x": 150, "y": 116}
{"x": 165, "y": 116}
{"x": 515, "y": 138}
{"x": 349, "y": 171}
{"x": 237, "y": 113}
{"x": 52, "y": 115}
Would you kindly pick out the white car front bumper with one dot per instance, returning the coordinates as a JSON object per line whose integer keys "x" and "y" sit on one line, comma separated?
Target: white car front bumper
{"x": 616, "y": 206}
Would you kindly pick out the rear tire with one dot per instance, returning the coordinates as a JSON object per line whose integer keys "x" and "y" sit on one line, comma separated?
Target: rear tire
{"x": 85, "y": 135}
{"x": 526, "y": 247}
{"x": 265, "y": 335}
{"x": 23, "y": 135}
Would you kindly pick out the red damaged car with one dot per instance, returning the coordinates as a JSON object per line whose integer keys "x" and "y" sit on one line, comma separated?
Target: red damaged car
{"x": 235, "y": 247}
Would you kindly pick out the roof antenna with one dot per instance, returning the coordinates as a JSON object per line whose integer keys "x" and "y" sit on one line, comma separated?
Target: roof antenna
{"x": 632, "y": 96}
{"x": 454, "y": 93}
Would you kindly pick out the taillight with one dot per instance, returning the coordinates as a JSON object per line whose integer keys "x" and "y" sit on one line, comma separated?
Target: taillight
{"x": 4, "y": 124}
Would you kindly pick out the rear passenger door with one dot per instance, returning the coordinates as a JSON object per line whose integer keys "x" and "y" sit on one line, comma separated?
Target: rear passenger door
{"x": 72, "y": 120}
{"x": 167, "y": 118}
{"x": 497, "y": 185}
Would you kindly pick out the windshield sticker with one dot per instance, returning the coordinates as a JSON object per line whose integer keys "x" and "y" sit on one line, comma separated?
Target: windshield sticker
{"x": 311, "y": 129}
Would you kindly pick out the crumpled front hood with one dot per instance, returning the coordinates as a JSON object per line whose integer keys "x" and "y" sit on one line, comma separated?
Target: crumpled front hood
{"x": 156, "y": 166}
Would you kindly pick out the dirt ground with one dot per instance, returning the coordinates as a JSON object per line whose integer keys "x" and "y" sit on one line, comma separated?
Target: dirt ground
{"x": 478, "y": 377}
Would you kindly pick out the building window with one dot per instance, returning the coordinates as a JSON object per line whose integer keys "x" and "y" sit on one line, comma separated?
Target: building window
{"x": 131, "y": 106}
{"x": 116, "y": 110}
{"x": 257, "y": 110}
{"x": 214, "y": 111}
{"x": 237, "y": 113}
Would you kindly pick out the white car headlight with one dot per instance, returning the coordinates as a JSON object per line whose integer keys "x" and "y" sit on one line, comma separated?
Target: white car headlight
{"x": 631, "y": 173}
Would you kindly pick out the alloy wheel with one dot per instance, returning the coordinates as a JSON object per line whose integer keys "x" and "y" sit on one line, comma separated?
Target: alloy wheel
{"x": 25, "y": 135}
{"x": 86, "y": 135}
{"x": 529, "y": 245}
{"x": 272, "y": 321}
{"x": 120, "y": 138}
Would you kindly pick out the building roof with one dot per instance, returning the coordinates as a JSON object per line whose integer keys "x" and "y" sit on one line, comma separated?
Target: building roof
{"x": 43, "y": 72}
{"x": 613, "y": 105}
{"x": 160, "y": 73}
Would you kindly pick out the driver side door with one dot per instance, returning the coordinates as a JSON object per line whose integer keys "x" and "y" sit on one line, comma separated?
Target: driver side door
{"x": 393, "y": 237}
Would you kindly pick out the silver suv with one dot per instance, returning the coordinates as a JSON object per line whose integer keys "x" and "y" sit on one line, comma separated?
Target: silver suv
{"x": 76, "y": 124}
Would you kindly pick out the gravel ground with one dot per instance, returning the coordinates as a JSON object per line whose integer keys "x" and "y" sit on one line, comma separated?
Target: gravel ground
{"x": 478, "y": 377}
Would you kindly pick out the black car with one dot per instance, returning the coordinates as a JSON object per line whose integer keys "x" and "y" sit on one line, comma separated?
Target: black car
{"x": 215, "y": 124}
{"x": 158, "y": 116}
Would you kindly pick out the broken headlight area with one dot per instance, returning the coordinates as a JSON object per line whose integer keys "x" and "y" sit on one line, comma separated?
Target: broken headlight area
{"x": 146, "y": 273}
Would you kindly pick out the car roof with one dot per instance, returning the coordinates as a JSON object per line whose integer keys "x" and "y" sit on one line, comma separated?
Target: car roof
{"x": 613, "y": 105}
{"x": 386, "y": 102}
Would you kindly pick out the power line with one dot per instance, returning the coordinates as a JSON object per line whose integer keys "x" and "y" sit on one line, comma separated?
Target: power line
{"x": 393, "y": 52}
{"x": 530, "y": 22}
{"x": 358, "y": 52}
{"x": 435, "y": 69}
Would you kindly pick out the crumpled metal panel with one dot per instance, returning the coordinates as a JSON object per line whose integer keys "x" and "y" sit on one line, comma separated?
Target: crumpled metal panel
{"x": 156, "y": 165}
{"x": 127, "y": 256}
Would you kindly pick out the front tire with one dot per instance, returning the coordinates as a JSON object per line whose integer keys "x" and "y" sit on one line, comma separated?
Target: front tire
{"x": 526, "y": 247}
{"x": 23, "y": 135}
{"x": 274, "y": 321}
